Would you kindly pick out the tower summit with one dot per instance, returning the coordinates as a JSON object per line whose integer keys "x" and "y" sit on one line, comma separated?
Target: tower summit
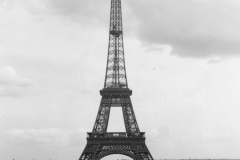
{"x": 115, "y": 72}
{"x": 116, "y": 93}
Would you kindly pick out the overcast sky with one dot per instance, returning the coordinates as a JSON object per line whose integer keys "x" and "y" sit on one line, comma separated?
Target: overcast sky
{"x": 182, "y": 62}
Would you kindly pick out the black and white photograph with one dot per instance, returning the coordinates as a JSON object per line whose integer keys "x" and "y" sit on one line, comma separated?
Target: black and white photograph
{"x": 119, "y": 79}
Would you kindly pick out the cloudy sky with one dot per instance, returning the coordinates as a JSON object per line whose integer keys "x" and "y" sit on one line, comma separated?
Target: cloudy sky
{"x": 183, "y": 65}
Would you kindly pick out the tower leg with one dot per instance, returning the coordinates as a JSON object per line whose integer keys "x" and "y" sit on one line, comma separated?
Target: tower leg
{"x": 101, "y": 122}
{"x": 129, "y": 116}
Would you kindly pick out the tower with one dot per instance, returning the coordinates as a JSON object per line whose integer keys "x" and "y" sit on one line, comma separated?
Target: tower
{"x": 115, "y": 93}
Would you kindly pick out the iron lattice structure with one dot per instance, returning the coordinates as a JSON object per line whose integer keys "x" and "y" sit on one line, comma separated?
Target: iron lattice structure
{"x": 115, "y": 72}
{"x": 116, "y": 93}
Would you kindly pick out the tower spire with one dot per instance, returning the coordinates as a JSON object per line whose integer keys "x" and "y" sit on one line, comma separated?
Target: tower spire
{"x": 115, "y": 71}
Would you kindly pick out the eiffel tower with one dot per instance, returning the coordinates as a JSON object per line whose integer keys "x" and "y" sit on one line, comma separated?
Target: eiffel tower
{"x": 116, "y": 93}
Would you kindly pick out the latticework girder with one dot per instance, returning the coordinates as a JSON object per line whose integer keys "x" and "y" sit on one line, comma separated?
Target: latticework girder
{"x": 123, "y": 101}
{"x": 115, "y": 71}
{"x": 98, "y": 148}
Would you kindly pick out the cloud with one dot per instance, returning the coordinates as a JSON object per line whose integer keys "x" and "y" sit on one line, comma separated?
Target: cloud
{"x": 78, "y": 138}
{"x": 74, "y": 10}
{"x": 70, "y": 7}
{"x": 196, "y": 29}
{"x": 50, "y": 136}
{"x": 214, "y": 61}
{"x": 161, "y": 133}
{"x": 77, "y": 11}
{"x": 213, "y": 135}
{"x": 13, "y": 85}
{"x": 34, "y": 136}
